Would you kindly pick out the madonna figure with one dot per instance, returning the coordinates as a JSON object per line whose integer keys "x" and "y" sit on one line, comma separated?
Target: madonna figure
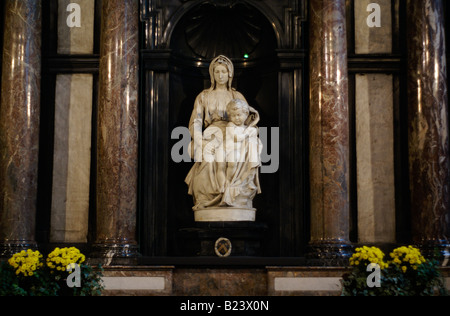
{"x": 223, "y": 190}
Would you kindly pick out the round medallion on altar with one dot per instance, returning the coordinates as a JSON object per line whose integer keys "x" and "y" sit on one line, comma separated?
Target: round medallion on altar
{"x": 223, "y": 247}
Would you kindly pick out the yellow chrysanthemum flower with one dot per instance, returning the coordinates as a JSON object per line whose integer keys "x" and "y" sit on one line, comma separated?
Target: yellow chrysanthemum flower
{"x": 26, "y": 262}
{"x": 367, "y": 255}
{"x": 407, "y": 257}
{"x": 59, "y": 259}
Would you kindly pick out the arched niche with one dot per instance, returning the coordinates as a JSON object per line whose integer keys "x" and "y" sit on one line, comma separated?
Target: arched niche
{"x": 242, "y": 33}
{"x": 270, "y": 77}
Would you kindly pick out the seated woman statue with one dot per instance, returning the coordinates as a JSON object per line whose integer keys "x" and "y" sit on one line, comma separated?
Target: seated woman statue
{"x": 219, "y": 185}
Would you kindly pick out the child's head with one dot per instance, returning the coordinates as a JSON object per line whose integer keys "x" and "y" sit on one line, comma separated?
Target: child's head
{"x": 238, "y": 111}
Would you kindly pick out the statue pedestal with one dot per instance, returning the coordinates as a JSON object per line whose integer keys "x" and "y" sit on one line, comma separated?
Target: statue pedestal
{"x": 213, "y": 239}
{"x": 225, "y": 214}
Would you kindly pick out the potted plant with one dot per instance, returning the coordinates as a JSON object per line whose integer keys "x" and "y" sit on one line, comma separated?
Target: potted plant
{"x": 63, "y": 273}
{"x": 408, "y": 273}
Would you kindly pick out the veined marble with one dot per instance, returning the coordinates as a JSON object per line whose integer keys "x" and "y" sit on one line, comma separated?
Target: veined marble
{"x": 329, "y": 129}
{"x": 428, "y": 122}
{"x": 117, "y": 156}
{"x": 19, "y": 121}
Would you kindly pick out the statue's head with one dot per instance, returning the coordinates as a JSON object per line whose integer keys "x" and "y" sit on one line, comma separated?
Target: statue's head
{"x": 238, "y": 111}
{"x": 224, "y": 62}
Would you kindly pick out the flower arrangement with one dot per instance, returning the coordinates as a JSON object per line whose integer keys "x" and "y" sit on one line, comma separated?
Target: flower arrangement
{"x": 59, "y": 259}
{"x": 26, "y": 262}
{"x": 407, "y": 257}
{"x": 27, "y": 274}
{"x": 408, "y": 273}
{"x": 365, "y": 256}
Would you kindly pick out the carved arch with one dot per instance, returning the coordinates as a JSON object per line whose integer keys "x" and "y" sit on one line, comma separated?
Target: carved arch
{"x": 160, "y": 23}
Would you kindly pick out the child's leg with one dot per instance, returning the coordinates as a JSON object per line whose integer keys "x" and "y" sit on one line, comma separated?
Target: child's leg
{"x": 221, "y": 175}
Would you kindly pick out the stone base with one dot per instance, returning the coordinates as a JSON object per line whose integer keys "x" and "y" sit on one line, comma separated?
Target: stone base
{"x": 247, "y": 238}
{"x": 258, "y": 281}
{"x": 7, "y": 250}
{"x": 329, "y": 254}
{"x": 114, "y": 254}
{"x": 435, "y": 249}
{"x": 225, "y": 214}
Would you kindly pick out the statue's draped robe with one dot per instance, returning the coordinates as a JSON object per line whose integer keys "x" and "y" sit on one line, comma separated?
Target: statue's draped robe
{"x": 242, "y": 184}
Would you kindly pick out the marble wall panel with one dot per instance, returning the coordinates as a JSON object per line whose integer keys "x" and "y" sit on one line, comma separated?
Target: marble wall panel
{"x": 76, "y": 40}
{"x": 373, "y": 40}
{"x": 375, "y": 158}
{"x": 138, "y": 281}
{"x": 304, "y": 281}
{"x": 72, "y": 158}
{"x": 223, "y": 282}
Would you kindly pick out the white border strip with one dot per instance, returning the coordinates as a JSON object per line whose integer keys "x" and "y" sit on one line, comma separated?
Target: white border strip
{"x": 135, "y": 283}
{"x": 307, "y": 284}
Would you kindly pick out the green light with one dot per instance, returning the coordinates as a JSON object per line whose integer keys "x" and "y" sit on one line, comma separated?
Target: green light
{"x": 246, "y": 56}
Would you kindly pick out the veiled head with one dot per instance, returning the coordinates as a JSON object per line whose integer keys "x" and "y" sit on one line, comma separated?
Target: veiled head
{"x": 223, "y": 61}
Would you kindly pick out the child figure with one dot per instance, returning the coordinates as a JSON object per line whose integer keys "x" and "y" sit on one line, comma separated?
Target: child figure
{"x": 241, "y": 144}
{"x": 241, "y": 140}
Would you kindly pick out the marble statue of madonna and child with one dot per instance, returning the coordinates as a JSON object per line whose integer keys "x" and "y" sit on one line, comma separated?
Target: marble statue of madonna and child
{"x": 226, "y": 149}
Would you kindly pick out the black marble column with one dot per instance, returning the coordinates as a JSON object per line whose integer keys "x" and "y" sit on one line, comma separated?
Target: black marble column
{"x": 19, "y": 125}
{"x": 117, "y": 157}
{"x": 428, "y": 126}
{"x": 329, "y": 134}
